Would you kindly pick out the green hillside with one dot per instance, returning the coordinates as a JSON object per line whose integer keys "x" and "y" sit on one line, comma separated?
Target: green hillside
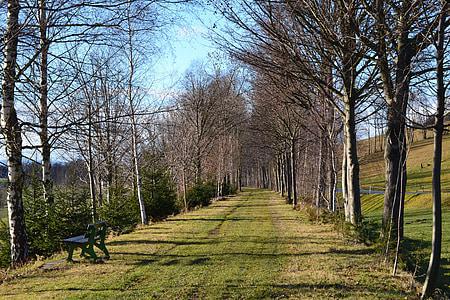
{"x": 419, "y": 165}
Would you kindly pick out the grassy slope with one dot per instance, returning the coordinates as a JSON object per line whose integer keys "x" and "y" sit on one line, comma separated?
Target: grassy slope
{"x": 251, "y": 246}
{"x": 418, "y": 217}
{"x": 419, "y": 165}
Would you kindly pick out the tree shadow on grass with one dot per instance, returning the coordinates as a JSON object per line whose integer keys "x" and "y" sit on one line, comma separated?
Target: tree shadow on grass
{"x": 238, "y": 254}
{"x": 195, "y": 219}
{"x": 363, "y": 251}
{"x": 445, "y": 276}
{"x": 145, "y": 262}
{"x": 213, "y": 240}
{"x": 339, "y": 289}
{"x": 263, "y": 290}
{"x": 182, "y": 261}
{"x": 416, "y": 256}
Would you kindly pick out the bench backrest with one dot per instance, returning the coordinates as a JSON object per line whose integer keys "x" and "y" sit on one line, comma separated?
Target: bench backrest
{"x": 96, "y": 231}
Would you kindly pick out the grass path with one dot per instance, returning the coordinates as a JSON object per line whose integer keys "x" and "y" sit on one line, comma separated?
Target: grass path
{"x": 251, "y": 246}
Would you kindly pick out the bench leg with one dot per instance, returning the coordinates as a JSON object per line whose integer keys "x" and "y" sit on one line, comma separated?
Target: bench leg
{"x": 89, "y": 250}
{"x": 70, "y": 253}
{"x": 102, "y": 247}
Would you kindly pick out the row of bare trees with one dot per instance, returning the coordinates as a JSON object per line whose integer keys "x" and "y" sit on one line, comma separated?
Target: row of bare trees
{"x": 202, "y": 136}
{"x": 326, "y": 65}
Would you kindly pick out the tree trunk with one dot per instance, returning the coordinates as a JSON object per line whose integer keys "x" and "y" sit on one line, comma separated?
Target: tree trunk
{"x": 47, "y": 182}
{"x": 134, "y": 129}
{"x": 435, "y": 258}
{"x": 184, "y": 190}
{"x": 137, "y": 171}
{"x": 395, "y": 159}
{"x": 344, "y": 175}
{"x": 353, "y": 200}
{"x": 239, "y": 178}
{"x": 282, "y": 175}
{"x": 275, "y": 178}
{"x": 396, "y": 94}
{"x": 319, "y": 175}
{"x": 90, "y": 165}
{"x": 288, "y": 178}
{"x": 100, "y": 189}
{"x": 333, "y": 179}
{"x": 12, "y": 134}
{"x": 294, "y": 173}
{"x": 304, "y": 172}
{"x": 376, "y": 134}
{"x": 198, "y": 166}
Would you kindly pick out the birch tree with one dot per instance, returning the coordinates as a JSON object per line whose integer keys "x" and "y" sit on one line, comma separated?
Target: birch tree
{"x": 12, "y": 133}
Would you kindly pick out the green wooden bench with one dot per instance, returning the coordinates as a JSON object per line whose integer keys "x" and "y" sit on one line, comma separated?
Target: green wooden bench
{"x": 94, "y": 236}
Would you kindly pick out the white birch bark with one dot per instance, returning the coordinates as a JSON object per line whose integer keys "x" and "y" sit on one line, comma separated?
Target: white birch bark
{"x": 12, "y": 134}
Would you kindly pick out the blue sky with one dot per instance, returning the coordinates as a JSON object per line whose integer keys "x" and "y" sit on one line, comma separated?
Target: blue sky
{"x": 183, "y": 44}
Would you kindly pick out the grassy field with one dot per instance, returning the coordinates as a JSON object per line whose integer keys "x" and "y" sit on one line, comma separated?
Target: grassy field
{"x": 419, "y": 166}
{"x": 418, "y": 215}
{"x": 251, "y": 246}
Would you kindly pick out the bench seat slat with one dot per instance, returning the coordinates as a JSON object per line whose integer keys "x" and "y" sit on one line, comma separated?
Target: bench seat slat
{"x": 80, "y": 239}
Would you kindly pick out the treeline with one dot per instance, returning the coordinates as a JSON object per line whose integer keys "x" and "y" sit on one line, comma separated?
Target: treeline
{"x": 324, "y": 69}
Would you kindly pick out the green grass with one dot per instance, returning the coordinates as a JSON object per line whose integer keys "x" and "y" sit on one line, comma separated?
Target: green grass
{"x": 251, "y": 246}
{"x": 418, "y": 229}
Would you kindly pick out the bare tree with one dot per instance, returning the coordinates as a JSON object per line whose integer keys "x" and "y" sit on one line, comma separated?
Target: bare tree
{"x": 12, "y": 132}
{"x": 435, "y": 258}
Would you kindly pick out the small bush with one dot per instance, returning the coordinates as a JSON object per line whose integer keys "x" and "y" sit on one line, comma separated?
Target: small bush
{"x": 47, "y": 226}
{"x": 159, "y": 194}
{"x": 288, "y": 200}
{"x": 228, "y": 189}
{"x": 321, "y": 215}
{"x": 5, "y": 249}
{"x": 367, "y": 231}
{"x": 201, "y": 194}
{"x": 121, "y": 214}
